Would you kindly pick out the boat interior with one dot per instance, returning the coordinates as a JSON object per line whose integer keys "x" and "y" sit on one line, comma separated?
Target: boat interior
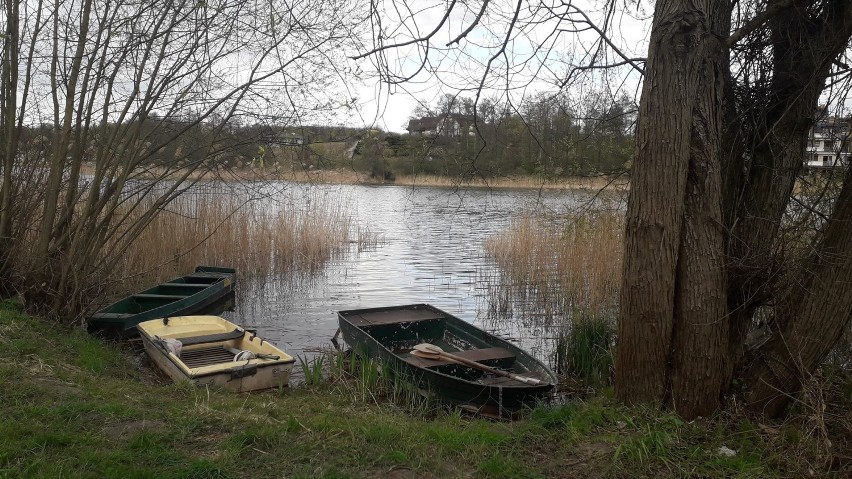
{"x": 198, "y": 278}
{"x": 209, "y": 341}
{"x": 221, "y": 353}
{"x": 401, "y": 329}
{"x": 161, "y": 295}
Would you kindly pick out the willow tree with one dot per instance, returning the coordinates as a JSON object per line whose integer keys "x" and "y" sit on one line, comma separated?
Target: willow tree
{"x": 719, "y": 243}
{"x": 113, "y": 108}
{"x": 711, "y": 248}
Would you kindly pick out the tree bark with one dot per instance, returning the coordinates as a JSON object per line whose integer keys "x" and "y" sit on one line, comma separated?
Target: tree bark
{"x": 700, "y": 333}
{"x": 812, "y": 318}
{"x": 671, "y": 322}
{"x": 803, "y": 50}
{"x": 8, "y": 130}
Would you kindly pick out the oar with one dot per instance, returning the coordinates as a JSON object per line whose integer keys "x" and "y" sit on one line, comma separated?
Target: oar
{"x": 431, "y": 351}
{"x": 268, "y": 356}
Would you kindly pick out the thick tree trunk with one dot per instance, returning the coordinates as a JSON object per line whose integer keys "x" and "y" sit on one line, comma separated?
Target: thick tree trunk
{"x": 684, "y": 314}
{"x": 700, "y": 334}
{"x": 803, "y": 49}
{"x": 812, "y": 319}
{"x": 672, "y": 326}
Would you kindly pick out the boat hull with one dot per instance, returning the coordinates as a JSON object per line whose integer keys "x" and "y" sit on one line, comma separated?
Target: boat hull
{"x": 391, "y": 343}
{"x": 211, "y": 362}
{"x": 185, "y": 295}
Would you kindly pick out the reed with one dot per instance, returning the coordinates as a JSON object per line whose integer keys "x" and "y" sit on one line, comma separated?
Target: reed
{"x": 321, "y": 174}
{"x": 367, "y": 239}
{"x": 259, "y": 238}
{"x": 567, "y": 269}
{"x": 355, "y": 374}
{"x": 593, "y": 183}
{"x": 585, "y": 350}
{"x": 312, "y": 368}
{"x": 565, "y": 274}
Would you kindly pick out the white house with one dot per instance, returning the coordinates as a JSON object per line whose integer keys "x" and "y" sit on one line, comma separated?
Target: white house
{"x": 830, "y": 144}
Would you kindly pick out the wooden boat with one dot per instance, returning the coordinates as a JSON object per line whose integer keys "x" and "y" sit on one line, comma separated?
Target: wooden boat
{"x": 189, "y": 294}
{"x": 208, "y": 351}
{"x": 390, "y": 335}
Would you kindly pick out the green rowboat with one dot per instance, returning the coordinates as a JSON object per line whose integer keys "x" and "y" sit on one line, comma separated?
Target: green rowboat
{"x": 390, "y": 335}
{"x": 182, "y": 296}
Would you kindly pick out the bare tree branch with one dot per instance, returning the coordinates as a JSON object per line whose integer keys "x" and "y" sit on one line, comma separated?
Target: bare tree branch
{"x": 771, "y": 10}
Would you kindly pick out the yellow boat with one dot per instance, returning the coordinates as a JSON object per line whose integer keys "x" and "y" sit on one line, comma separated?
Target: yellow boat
{"x": 211, "y": 351}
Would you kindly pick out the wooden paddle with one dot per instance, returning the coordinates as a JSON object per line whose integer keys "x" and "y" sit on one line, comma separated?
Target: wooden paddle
{"x": 431, "y": 351}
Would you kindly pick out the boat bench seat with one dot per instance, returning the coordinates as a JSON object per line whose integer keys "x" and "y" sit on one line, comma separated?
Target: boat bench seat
{"x": 486, "y": 356}
{"x": 212, "y": 338}
{"x": 211, "y": 277}
{"x": 392, "y": 317}
{"x": 185, "y": 285}
{"x": 159, "y": 296}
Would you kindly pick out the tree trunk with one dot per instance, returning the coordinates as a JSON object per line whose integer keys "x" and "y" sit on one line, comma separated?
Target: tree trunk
{"x": 777, "y": 131}
{"x": 700, "y": 333}
{"x": 8, "y": 130}
{"x": 812, "y": 318}
{"x": 62, "y": 140}
{"x": 672, "y": 326}
{"x": 684, "y": 314}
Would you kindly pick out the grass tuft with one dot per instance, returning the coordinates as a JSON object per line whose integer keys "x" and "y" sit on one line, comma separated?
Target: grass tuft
{"x": 312, "y": 368}
{"x": 585, "y": 350}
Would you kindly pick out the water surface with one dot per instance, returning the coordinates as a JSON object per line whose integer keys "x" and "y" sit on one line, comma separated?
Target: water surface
{"x": 431, "y": 252}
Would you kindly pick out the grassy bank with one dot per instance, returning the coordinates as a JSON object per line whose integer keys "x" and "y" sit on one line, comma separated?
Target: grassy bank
{"x": 72, "y": 406}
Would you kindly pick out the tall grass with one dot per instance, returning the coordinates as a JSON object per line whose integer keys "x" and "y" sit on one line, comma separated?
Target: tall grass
{"x": 357, "y": 375}
{"x": 569, "y": 275}
{"x": 570, "y": 268}
{"x": 594, "y": 183}
{"x": 585, "y": 349}
{"x": 259, "y": 238}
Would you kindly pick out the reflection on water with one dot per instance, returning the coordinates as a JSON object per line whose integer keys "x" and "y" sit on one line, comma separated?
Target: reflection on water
{"x": 224, "y": 304}
{"x": 432, "y": 252}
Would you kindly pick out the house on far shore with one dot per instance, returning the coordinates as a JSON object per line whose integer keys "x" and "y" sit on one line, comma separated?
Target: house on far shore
{"x": 450, "y": 124}
{"x": 829, "y": 143}
{"x": 288, "y": 138}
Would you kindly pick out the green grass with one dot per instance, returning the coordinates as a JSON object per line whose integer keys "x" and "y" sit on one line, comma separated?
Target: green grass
{"x": 72, "y": 406}
{"x": 312, "y": 369}
{"x": 585, "y": 351}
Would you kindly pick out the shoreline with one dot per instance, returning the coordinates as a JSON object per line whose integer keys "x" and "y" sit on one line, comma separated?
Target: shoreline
{"x": 83, "y": 394}
{"x": 351, "y": 177}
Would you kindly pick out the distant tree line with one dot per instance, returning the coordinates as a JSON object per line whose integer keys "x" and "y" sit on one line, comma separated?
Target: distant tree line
{"x": 549, "y": 136}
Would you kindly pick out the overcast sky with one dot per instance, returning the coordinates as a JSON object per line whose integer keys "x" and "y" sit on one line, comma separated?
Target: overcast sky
{"x": 540, "y": 53}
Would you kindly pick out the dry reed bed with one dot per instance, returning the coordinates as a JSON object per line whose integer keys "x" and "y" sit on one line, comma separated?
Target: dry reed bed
{"x": 259, "y": 238}
{"x": 343, "y": 176}
{"x": 568, "y": 270}
{"x": 593, "y": 183}
{"x": 352, "y": 177}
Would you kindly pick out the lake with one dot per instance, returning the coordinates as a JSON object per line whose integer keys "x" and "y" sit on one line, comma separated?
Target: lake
{"x": 430, "y": 251}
